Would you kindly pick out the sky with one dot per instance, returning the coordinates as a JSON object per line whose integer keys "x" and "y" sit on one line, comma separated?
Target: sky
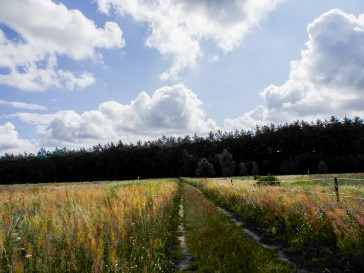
{"x": 78, "y": 73}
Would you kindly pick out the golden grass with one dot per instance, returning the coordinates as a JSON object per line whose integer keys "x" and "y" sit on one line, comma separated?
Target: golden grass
{"x": 79, "y": 215}
{"x": 346, "y": 216}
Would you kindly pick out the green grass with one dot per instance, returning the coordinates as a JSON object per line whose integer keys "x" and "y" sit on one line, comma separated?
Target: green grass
{"x": 321, "y": 179}
{"x": 144, "y": 245}
{"x": 270, "y": 180}
{"x": 317, "y": 246}
{"x": 218, "y": 244}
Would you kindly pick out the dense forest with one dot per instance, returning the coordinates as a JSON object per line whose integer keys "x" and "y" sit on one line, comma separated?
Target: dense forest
{"x": 300, "y": 147}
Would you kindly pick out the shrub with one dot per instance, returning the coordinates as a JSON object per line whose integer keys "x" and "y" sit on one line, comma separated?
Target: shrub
{"x": 270, "y": 180}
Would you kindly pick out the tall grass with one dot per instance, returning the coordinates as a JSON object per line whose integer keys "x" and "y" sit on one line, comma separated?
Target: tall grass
{"x": 218, "y": 244}
{"x": 85, "y": 227}
{"x": 307, "y": 219}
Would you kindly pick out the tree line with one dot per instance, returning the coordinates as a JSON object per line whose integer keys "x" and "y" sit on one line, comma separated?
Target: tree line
{"x": 295, "y": 148}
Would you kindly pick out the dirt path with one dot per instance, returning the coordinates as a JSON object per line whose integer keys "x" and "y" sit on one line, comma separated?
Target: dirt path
{"x": 251, "y": 234}
{"x": 184, "y": 263}
{"x": 218, "y": 244}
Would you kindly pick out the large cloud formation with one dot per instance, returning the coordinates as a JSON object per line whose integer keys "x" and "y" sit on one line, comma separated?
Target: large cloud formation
{"x": 329, "y": 78}
{"x": 177, "y": 27}
{"x": 171, "y": 110}
{"x": 44, "y": 30}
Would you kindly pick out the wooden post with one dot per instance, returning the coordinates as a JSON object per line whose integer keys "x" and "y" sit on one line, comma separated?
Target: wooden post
{"x": 337, "y": 190}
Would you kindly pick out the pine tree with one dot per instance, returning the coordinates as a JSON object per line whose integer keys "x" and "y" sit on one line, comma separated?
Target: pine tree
{"x": 322, "y": 167}
{"x": 255, "y": 169}
{"x": 243, "y": 169}
{"x": 227, "y": 163}
{"x": 205, "y": 168}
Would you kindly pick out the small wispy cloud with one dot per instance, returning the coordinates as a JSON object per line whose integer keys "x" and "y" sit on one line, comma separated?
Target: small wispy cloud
{"x": 22, "y": 105}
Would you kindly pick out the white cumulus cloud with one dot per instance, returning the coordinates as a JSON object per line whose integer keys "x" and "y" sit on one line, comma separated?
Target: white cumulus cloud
{"x": 248, "y": 121}
{"x": 46, "y": 30}
{"x": 177, "y": 27}
{"x": 327, "y": 80}
{"x": 171, "y": 110}
{"x": 11, "y": 143}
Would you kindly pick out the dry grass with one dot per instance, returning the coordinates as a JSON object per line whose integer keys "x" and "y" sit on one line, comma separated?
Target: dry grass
{"x": 79, "y": 225}
{"x": 305, "y": 217}
{"x": 218, "y": 244}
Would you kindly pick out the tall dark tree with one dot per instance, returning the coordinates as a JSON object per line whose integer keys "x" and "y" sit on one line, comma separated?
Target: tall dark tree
{"x": 227, "y": 163}
{"x": 255, "y": 168}
{"x": 243, "y": 169}
{"x": 322, "y": 167}
{"x": 205, "y": 168}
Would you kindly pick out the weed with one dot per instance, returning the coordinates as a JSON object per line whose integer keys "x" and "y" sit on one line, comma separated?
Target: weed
{"x": 306, "y": 219}
{"x": 218, "y": 244}
{"x": 100, "y": 227}
{"x": 270, "y": 180}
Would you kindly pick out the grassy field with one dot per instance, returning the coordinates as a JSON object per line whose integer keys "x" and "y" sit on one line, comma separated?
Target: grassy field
{"x": 132, "y": 226}
{"x": 88, "y": 227}
{"x": 218, "y": 244}
{"x": 355, "y": 179}
{"x": 305, "y": 217}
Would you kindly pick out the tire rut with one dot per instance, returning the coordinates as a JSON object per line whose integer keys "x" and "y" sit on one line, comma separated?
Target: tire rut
{"x": 184, "y": 264}
{"x": 252, "y": 235}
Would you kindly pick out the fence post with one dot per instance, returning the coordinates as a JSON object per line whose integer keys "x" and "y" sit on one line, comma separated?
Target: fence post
{"x": 337, "y": 190}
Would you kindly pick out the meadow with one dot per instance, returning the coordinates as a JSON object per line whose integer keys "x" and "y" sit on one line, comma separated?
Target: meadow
{"x": 302, "y": 214}
{"x": 88, "y": 227}
{"x": 132, "y": 226}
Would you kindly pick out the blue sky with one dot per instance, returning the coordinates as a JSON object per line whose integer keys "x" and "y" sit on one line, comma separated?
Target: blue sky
{"x": 77, "y": 73}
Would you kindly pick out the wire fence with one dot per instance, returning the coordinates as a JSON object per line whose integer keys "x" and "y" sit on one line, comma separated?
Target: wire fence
{"x": 330, "y": 180}
{"x": 326, "y": 193}
{"x": 350, "y": 179}
{"x": 298, "y": 181}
